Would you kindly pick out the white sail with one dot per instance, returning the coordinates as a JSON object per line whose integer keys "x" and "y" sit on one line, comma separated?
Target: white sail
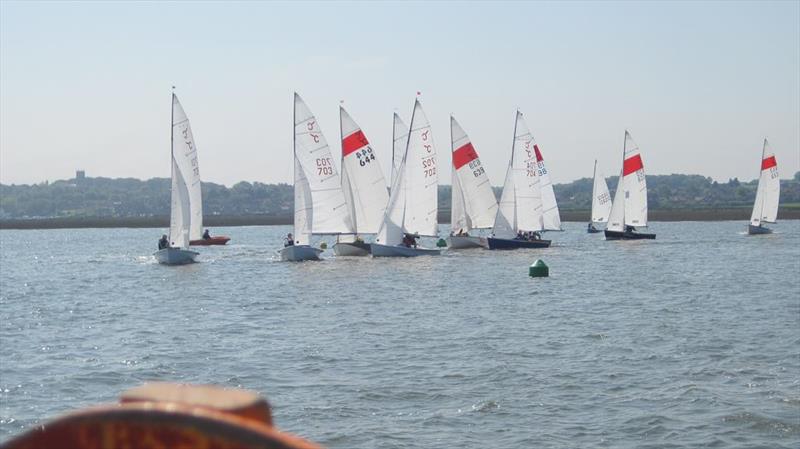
{"x": 180, "y": 212}
{"x": 520, "y": 206}
{"x": 362, "y": 178}
{"x": 601, "y": 199}
{"x": 421, "y": 177}
{"x": 413, "y": 203}
{"x": 765, "y": 208}
{"x": 635, "y": 184}
{"x": 400, "y": 139}
{"x": 316, "y": 179}
{"x": 551, "y": 220}
{"x": 184, "y": 152}
{"x": 616, "y": 218}
{"x": 478, "y": 206}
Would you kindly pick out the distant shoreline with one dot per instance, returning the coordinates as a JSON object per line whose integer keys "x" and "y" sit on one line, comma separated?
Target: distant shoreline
{"x": 723, "y": 214}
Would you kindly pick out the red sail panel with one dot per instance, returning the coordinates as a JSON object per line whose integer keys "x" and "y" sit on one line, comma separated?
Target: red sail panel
{"x": 539, "y": 157}
{"x": 632, "y": 165}
{"x": 353, "y": 142}
{"x": 768, "y": 163}
{"x": 464, "y": 155}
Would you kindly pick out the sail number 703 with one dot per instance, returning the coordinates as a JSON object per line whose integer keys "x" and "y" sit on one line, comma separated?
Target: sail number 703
{"x": 429, "y": 165}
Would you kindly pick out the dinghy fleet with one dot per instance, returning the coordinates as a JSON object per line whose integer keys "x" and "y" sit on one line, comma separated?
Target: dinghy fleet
{"x": 355, "y": 204}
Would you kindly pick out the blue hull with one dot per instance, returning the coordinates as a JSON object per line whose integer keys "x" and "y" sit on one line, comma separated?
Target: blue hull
{"x": 495, "y": 243}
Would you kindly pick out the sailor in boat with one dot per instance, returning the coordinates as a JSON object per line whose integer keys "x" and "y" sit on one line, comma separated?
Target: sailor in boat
{"x": 206, "y": 235}
{"x": 630, "y": 229}
{"x": 591, "y": 227}
{"x": 409, "y": 241}
{"x": 534, "y": 236}
{"x": 289, "y": 241}
{"x": 163, "y": 242}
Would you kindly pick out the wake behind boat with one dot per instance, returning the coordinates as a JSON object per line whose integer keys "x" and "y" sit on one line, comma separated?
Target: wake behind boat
{"x": 184, "y": 192}
{"x": 765, "y": 207}
{"x": 319, "y": 204}
{"x": 630, "y": 200}
{"x": 413, "y": 204}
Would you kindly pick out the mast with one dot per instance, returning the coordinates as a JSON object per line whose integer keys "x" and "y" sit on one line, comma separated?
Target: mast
{"x": 511, "y": 167}
{"x": 594, "y": 194}
{"x": 760, "y": 172}
{"x": 294, "y": 160}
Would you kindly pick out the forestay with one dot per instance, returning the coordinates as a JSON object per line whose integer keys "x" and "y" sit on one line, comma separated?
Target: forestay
{"x": 520, "y": 207}
{"x": 186, "y": 215}
{"x": 474, "y": 205}
{"x": 363, "y": 183}
{"x": 320, "y": 207}
{"x": 765, "y": 208}
{"x": 601, "y": 199}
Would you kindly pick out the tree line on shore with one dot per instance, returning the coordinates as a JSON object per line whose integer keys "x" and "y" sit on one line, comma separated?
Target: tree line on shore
{"x": 128, "y": 197}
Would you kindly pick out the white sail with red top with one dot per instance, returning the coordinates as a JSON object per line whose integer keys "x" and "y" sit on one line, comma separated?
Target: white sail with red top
{"x": 630, "y": 200}
{"x": 765, "y": 208}
{"x": 474, "y": 205}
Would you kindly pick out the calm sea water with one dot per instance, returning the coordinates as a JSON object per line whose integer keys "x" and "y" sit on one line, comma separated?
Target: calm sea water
{"x": 689, "y": 340}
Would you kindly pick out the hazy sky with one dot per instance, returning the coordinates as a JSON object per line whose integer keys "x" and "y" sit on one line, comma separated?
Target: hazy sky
{"x": 699, "y": 85}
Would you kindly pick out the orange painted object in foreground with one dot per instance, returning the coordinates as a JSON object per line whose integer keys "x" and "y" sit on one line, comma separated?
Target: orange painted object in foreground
{"x": 162, "y": 415}
{"x": 219, "y": 240}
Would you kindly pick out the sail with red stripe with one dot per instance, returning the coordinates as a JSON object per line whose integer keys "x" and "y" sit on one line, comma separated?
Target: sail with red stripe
{"x": 551, "y": 219}
{"x": 520, "y": 207}
{"x": 630, "y": 200}
{"x": 474, "y": 205}
{"x": 765, "y": 208}
{"x": 362, "y": 178}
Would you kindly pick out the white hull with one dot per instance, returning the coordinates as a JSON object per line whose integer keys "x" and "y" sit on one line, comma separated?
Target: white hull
{"x": 351, "y": 249}
{"x": 175, "y": 256}
{"x": 401, "y": 251}
{"x": 466, "y": 242}
{"x": 299, "y": 253}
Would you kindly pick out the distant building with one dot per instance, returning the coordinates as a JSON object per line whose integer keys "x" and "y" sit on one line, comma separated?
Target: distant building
{"x": 80, "y": 175}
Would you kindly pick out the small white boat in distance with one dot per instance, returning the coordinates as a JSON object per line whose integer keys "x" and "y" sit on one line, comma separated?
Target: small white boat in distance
{"x": 473, "y": 204}
{"x": 765, "y": 208}
{"x": 185, "y": 173}
{"x": 413, "y": 204}
{"x": 364, "y": 188}
{"x": 601, "y": 201}
{"x": 319, "y": 205}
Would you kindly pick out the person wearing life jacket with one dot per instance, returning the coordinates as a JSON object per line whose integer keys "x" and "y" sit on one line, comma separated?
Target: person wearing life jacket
{"x": 206, "y": 235}
{"x": 289, "y": 240}
{"x": 630, "y": 229}
{"x": 591, "y": 227}
{"x": 163, "y": 242}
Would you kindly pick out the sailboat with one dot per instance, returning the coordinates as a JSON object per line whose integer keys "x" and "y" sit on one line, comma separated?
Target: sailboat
{"x": 363, "y": 185}
{"x": 319, "y": 204}
{"x": 519, "y": 215}
{"x": 185, "y": 188}
{"x": 765, "y": 208}
{"x": 413, "y": 203}
{"x": 630, "y": 200}
{"x": 601, "y": 201}
{"x": 474, "y": 205}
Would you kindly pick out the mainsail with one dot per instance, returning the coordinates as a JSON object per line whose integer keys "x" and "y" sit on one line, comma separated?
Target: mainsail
{"x": 413, "y": 203}
{"x": 601, "y": 200}
{"x": 765, "y": 208}
{"x": 399, "y": 141}
{"x": 320, "y": 207}
{"x": 186, "y": 212}
{"x": 474, "y": 205}
{"x": 362, "y": 178}
{"x": 630, "y": 199}
{"x": 520, "y": 207}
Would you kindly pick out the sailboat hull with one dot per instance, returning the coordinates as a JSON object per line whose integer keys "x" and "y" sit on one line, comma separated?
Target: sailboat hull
{"x": 175, "y": 256}
{"x": 378, "y": 250}
{"x": 351, "y": 249}
{"x": 219, "y": 240}
{"x": 496, "y": 243}
{"x": 758, "y": 230}
{"x": 299, "y": 253}
{"x": 466, "y": 242}
{"x": 622, "y": 235}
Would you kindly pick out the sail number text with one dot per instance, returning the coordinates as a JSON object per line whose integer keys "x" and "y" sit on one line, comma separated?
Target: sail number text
{"x": 429, "y": 165}
{"x": 324, "y": 166}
